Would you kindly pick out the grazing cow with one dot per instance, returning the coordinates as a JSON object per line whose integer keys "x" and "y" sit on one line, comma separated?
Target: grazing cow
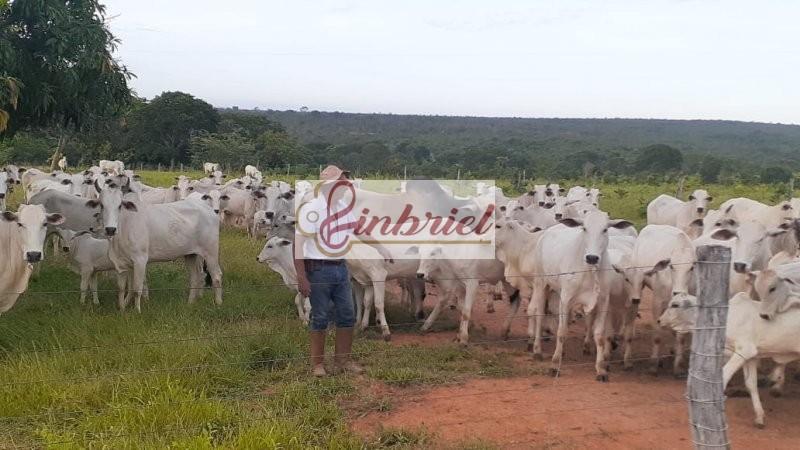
{"x": 142, "y": 233}
{"x": 62, "y": 164}
{"x": 581, "y": 276}
{"x": 662, "y": 261}
{"x": 22, "y": 236}
{"x": 5, "y": 183}
{"x": 250, "y": 170}
{"x": 668, "y": 210}
{"x": 749, "y": 336}
{"x": 14, "y": 173}
{"x": 278, "y": 255}
{"x": 209, "y": 168}
{"x": 215, "y": 199}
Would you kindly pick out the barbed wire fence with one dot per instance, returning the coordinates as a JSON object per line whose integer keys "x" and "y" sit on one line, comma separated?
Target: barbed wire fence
{"x": 518, "y": 440}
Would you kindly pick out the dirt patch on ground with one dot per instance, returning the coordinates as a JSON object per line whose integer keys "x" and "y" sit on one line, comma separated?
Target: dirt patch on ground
{"x": 634, "y": 410}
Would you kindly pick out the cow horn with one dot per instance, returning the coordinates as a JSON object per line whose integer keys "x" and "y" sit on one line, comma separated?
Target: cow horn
{"x": 97, "y": 186}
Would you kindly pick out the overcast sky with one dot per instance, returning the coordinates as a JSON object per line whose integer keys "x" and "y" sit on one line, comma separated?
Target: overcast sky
{"x": 674, "y": 59}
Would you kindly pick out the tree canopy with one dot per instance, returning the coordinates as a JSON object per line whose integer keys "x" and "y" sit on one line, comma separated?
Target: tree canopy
{"x": 57, "y": 65}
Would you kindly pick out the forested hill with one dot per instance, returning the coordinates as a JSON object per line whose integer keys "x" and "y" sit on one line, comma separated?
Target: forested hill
{"x": 758, "y": 143}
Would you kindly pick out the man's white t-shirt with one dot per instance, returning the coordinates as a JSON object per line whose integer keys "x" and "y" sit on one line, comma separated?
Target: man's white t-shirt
{"x": 328, "y": 231}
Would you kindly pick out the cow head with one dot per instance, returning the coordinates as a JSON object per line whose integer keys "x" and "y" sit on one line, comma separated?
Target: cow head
{"x": 216, "y": 200}
{"x": 777, "y": 293}
{"x": 751, "y": 248}
{"x": 272, "y": 201}
{"x": 594, "y": 228}
{"x": 700, "y": 200}
{"x": 111, "y": 202}
{"x": 276, "y": 248}
{"x": 681, "y": 313}
{"x": 428, "y": 256}
{"x": 32, "y": 222}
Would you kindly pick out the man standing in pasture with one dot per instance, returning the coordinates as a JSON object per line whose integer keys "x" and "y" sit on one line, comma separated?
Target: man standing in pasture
{"x": 325, "y": 229}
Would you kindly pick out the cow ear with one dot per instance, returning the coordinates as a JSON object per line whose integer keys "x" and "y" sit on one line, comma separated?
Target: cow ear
{"x": 130, "y": 206}
{"x": 572, "y": 223}
{"x": 22, "y": 169}
{"x": 53, "y": 174}
{"x": 287, "y": 195}
{"x": 258, "y": 194}
{"x": 9, "y": 216}
{"x": 723, "y": 235}
{"x": 531, "y": 193}
{"x": 751, "y": 277}
{"x": 92, "y": 204}
{"x": 205, "y": 197}
{"x": 413, "y": 250}
{"x": 786, "y": 207}
{"x": 661, "y": 265}
{"x": 691, "y": 197}
{"x": 731, "y": 223}
{"x": 137, "y": 177}
{"x": 224, "y": 176}
{"x": 211, "y": 175}
{"x": 66, "y": 181}
{"x": 224, "y": 197}
{"x": 175, "y": 188}
{"x": 709, "y": 199}
{"x": 87, "y": 182}
{"x": 620, "y": 224}
{"x": 177, "y": 178}
{"x": 503, "y": 208}
{"x": 285, "y": 242}
{"x": 534, "y": 229}
{"x": 55, "y": 219}
{"x": 562, "y": 190}
{"x": 777, "y": 232}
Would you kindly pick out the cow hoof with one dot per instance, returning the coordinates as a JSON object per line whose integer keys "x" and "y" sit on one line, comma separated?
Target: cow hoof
{"x": 760, "y": 426}
{"x": 463, "y": 345}
{"x": 775, "y": 393}
{"x": 452, "y": 307}
{"x": 529, "y": 348}
{"x": 587, "y": 352}
{"x": 627, "y": 366}
{"x": 554, "y": 373}
{"x": 538, "y": 357}
{"x": 602, "y": 378}
{"x": 420, "y": 316}
{"x": 505, "y": 338}
{"x": 387, "y": 337}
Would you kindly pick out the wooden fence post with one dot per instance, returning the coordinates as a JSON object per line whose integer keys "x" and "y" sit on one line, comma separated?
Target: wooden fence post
{"x": 704, "y": 389}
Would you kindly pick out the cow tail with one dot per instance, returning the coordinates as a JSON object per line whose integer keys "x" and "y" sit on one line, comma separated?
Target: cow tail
{"x": 205, "y": 271}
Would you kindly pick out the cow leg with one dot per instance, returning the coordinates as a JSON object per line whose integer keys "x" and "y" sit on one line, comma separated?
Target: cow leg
{"x": 379, "y": 291}
{"x": 85, "y": 279}
{"x": 628, "y": 329}
{"x": 368, "y": 297}
{"x": 441, "y": 297}
{"x": 212, "y": 264}
{"x": 137, "y": 283}
{"x": 680, "y": 344}
{"x": 93, "y": 284}
{"x": 589, "y": 320}
{"x": 194, "y": 270}
{"x": 776, "y": 379}
{"x": 536, "y": 309}
{"x": 514, "y": 301}
{"x": 750, "y": 370}
{"x": 601, "y": 318}
{"x": 416, "y": 289}
{"x": 563, "y": 327}
{"x": 122, "y": 297}
{"x": 466, "y": 311}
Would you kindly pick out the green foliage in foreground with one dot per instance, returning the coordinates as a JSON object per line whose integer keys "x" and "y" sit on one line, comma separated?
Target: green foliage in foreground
{"x": 205, "y": 377}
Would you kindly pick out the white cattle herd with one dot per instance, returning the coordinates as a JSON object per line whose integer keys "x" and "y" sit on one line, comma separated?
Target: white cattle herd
{"x": 556, "y": 250}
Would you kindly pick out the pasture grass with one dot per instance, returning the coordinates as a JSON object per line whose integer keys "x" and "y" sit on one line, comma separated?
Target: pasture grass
{"x": 206, "y": 377}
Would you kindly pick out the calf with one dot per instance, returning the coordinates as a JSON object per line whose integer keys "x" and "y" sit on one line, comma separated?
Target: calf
{"x": 277, "y": 254}
{"x": 62, "y": 164}
{"x": 209, "y": 168}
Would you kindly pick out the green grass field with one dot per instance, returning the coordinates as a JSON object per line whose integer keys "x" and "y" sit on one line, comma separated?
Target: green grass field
{"x": 200, "y": 376}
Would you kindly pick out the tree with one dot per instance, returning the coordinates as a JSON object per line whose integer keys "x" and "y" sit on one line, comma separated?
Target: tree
{"x": 276, "y": 149}
{"x": 56, "y": 65}
{"x": 710, "y": 167}
{"x": 161, "y": 129}
{"x": 775, "y": 174}
{"x": 659, "y": 158}
{"x": 248, "y": 124}
{"x": 232, "y": 150}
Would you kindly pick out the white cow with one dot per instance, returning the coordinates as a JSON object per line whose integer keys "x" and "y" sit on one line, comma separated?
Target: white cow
{"x": 5, "y": 183}
{"x": 215, "y": 199}
{"x": 217, "y": 177}
{"x": 534, "y": 214}
{"x": 749, "y": 336}
{"x": 160, "y": 195}
{"x": 37, "y": 186}
{"x": 250, "y": 170}
{"x": 142, "y": 233}
{"x": 22, "y": 238}
{"x": 456, "y": 273}
{"x": 744, "y": 209}
{"x": 662, "y": 261}
{"x": 111, "y": 167}
{"x": 581, "y": 276}
{"x": 76, "y": 216}
{"x": 14, "y": 173}
{"x": 279, "y": 256}
{"x": 668, "y": 210}
{"x": 209, "y": 168}
{"x": 272, "y": 200}
{"x": 62, "y": 163}
{"x": 581, "y": 194}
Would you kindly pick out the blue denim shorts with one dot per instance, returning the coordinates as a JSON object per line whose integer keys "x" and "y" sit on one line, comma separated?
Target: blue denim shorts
{"x": 331, "y": 297}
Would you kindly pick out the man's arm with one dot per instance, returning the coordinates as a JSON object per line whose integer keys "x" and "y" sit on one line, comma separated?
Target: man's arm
{"x": 299, "y": 265}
